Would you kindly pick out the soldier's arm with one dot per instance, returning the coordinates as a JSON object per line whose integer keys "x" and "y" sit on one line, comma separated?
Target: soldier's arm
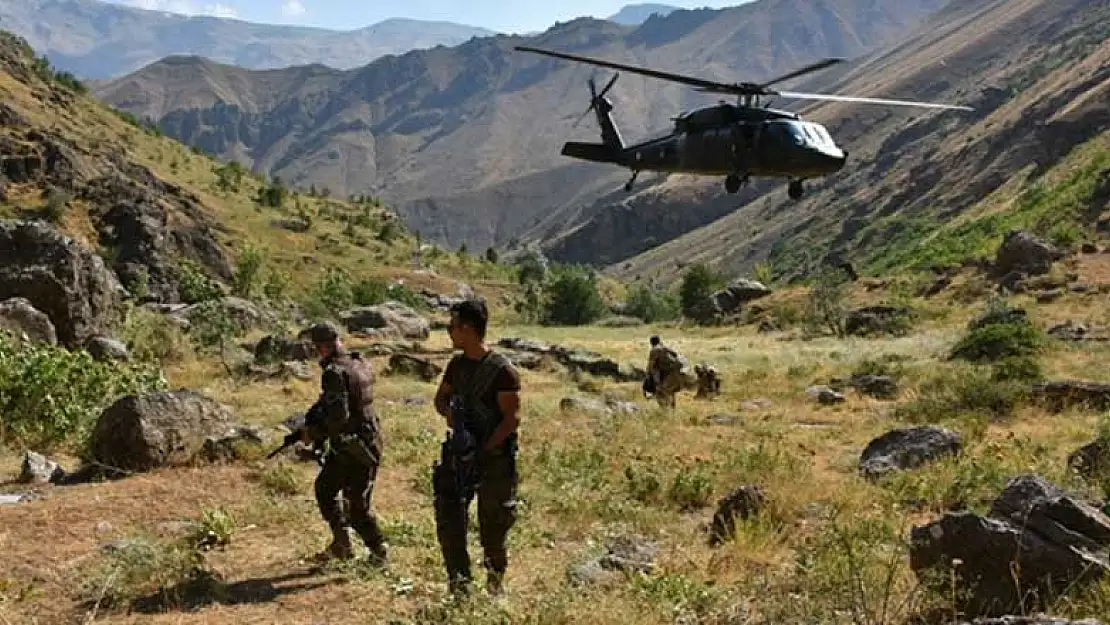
{"x": 333, "y": 401}
{"x": 508, "y": 400}
{"x": 443, "y": 395}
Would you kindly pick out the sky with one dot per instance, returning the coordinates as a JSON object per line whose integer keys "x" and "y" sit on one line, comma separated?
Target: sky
{"x": 510, "y": 16}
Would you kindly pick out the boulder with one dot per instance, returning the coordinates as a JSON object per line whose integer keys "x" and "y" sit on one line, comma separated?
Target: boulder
{"x": 272, "y": 349}
{"x": 744, "y": 503}
{"x": 403, "y": 364}
{"x": 38, "y": 469}
{"x": 59, "y": 277}
{"x": 876, "y": 320}
{"x": 825, "y": 395}
{"x": 1024, "y": 253}
{"x": 144, "y": 432}
{"x": 1061, "y": 394}
{"x": 1036, "y": 542}
{"x": 738, "y": 293}
{"x": 105, "y": 349}
{"x": 243, "y": 313}
{"x": 608, "y": 406}
{"x": 907, "y": 448}
{"x": 22, "y": 319}
{"x": 390, "y": 315}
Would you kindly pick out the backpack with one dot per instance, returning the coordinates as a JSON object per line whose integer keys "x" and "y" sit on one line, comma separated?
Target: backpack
{"x": 670, "y": 361}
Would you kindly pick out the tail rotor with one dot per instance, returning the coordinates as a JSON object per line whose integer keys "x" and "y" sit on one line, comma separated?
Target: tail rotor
{"x": 596, "y": 97}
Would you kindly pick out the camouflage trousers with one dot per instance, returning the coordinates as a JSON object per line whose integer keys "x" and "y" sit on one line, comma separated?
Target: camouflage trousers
{"x": 354, "y": 477}
{"x": 672, "y": 384}
{"x": 496, "y": 494}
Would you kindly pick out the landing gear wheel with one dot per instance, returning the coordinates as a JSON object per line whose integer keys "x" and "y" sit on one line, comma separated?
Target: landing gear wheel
{"x": 795, "y": 190}
{"x": 628, "y": 186}
{"x": 732, "y": 183}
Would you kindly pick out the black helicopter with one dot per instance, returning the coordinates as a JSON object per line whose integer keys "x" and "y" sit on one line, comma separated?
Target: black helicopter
{"x": 737, "y": 141}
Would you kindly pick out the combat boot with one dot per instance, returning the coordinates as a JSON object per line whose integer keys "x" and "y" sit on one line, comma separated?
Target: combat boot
{"x": 339, "y": 549}
{"x": 495, "y": 583}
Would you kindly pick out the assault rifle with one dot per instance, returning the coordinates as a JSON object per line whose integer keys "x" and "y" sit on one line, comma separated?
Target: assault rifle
{"x": 310, "y": 421}
{"x": 463, "y": 453}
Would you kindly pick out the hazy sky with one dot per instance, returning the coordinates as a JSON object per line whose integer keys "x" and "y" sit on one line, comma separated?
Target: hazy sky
{"x": 502, "y": 15}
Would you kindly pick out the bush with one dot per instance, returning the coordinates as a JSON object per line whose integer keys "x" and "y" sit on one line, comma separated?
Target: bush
{"x": 571, "y": 298}
{"x": 698, "y": 285}
{"x": 650, "y": 305}
{"x": 998, "y": 341}
{"x": 50, "y": 396}
{"x": 248, "y": 272}
{"x": 197, "y": 286}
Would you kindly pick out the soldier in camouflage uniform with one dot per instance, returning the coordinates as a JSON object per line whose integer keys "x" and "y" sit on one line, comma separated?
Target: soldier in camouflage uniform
{"x": 350, "y": 426}
{"x": 479, "y": 397}
{"x": 669, "y": 373}
{"x": 709, "y": 381}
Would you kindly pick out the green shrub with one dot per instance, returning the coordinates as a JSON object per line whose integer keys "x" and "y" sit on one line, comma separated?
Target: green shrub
{"x": 698, "y": 285}
{"x": 999, "y": 341}
{"x": 651, "y": 305}
{"x": 51, "y": 397}
{"x": 196, "y": 285}
{"x": 572, "y": 298}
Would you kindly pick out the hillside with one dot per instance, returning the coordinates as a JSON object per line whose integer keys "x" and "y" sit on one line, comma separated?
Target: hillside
{"x": 157, "y": 211}
{"x": 1036, "y": 74}
{"x": 465, "y": 141}
{"x": 100, "y": 40}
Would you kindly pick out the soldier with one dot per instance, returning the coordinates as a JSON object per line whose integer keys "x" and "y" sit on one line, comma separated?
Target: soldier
{"x": 709, "y": 381}
{"x": 669, "y": 373}
{"x": 350, "y": 426}
{"x": 479, "y": 396}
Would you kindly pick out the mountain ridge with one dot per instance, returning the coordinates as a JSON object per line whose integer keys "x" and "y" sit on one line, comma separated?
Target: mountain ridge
{"x": 96, "y": 40}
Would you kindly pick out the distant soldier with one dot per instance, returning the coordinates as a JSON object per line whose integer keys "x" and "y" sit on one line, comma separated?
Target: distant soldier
{"x": 668, "y": 373}
{"x": 709, "y": 381}
{"x": 479, "y": 396}
{"x": 350, "y": 426}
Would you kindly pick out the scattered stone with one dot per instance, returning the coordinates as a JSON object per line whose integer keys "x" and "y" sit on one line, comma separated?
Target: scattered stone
{"x": 872, "y": 320}
{"x": 273, "y": 349}
{"x": 724, "y": 419}
{"x": 1022, "y": 252}
{"x": 106, "y": 349}
{"x": 999, "y": 316}
{"x": 1072, "y": 331}
{"x": 140, "y": 433}
{"x": 1062, "y": 394}
{"x": 38, "y": 469}
{"x": 575, "y": 359}
{"x": 243, "y": 313}
{"x": 907, "y": 448}
{"x": 228, "y": 446}
{"x": 825, "y": 395}
{"x": 1091, "y": 461}
{"x": 620, "y": 321}
{"x": 403, "y": 364}
{"x": 1036, "y": 540}
{"x": 392, "y": 317}
{"x": 744, "y": 502}
{"x": 1051, "y": 295}
{"x": 758, "y": 403}
{"x": 59, "y": 277}
{"x": 877, "y": 386}
{"x": 12, "y": 499}
{"x": 22, "y": 319}
{"x": 609, "y": 406}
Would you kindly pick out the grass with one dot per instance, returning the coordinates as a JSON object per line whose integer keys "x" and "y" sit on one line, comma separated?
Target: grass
{"x": 828, "y": 545}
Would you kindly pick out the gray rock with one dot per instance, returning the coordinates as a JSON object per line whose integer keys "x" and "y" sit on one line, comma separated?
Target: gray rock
{"x": 140, "y": 433}
{"x": 22, "y": 319}
{"x": 737, "y": 293}
{"x": 272, "y": 349}
{"x": 825, "y": 395}
{"x": 608, "y": 406}
{"x": 38, "y": 469}
{"x": 1022, "y": 252}
{"x": 1061, "y": 394}
{"x": 907, "y": 448}
{"x": 1046, "y": 538}
{"x": 103, "y": 348}
{"x": 743, "y": 503}
{"x": 59, "y": 277}
{"x": 391, "y": 316}
{"x": 403, "y": 364}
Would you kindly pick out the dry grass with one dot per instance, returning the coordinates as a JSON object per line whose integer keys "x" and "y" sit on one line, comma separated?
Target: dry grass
{"x": 792, "y": 564}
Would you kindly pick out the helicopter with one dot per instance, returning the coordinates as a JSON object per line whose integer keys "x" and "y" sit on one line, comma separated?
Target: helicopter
{"x": 737, "y": 141}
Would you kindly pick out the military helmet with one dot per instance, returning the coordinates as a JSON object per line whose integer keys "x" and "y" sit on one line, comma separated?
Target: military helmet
{"x": 323, "y": 332}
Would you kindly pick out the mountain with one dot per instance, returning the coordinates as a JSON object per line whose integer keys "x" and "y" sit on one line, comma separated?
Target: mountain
{"x": 633, "y": 14}
{"x": 924, "y": 188}
{"x": 99, "y": 40}
{"x": 465, "y": 141}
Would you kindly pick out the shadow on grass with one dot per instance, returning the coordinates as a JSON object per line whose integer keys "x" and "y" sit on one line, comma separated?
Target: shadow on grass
{"x": 206, "y": 589}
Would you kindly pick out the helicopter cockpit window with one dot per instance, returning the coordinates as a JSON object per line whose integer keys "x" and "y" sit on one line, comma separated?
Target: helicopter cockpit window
{"x": 794, "y": 132}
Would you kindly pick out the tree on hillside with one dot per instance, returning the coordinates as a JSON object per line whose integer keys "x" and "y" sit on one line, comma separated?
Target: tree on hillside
{"x": 571, "y": 297}
{"x": 698, "y": 285}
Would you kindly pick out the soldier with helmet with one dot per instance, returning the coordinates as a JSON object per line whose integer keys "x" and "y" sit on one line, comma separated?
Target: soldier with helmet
{"x": 350, "y": 426}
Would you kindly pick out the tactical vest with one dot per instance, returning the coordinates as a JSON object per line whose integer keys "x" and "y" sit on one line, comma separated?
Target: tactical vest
{"x": 479, "y": 419}
{"x": 359, "y": 377}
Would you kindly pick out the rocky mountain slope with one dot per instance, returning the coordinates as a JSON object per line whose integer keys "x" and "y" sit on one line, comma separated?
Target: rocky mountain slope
{"x": 1036, "y": 73}
{"x": 99, "y": 40}
{"x": 465, "y": 141}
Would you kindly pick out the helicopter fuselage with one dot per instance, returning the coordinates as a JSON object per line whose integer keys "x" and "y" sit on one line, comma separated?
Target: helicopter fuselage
{"x": 733, "y": 141}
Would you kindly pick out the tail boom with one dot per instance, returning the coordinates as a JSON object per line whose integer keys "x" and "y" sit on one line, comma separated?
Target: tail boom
{"x": 596, "y": 152}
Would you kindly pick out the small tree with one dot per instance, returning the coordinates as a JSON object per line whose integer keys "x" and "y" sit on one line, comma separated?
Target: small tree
{"x": 651, "y": 305}
{"x": 248, "y": 271}
{"x": 491, "y": 255}
{"x": 698, "y": 285}
{"x": 572, "y": 297}
{"x": 826, "y": 301}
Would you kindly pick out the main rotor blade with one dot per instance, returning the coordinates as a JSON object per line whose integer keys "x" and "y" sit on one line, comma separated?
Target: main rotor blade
{"x": 845, "y": 98}
{"x": 687, "y": 80}
{"x": 813, "y": 67}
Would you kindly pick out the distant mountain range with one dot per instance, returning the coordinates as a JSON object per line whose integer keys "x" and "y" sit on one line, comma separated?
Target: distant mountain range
{"x": 465, "y": 141}
{"x": 98, "y": 40}
{"x": 633, "y": 14}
